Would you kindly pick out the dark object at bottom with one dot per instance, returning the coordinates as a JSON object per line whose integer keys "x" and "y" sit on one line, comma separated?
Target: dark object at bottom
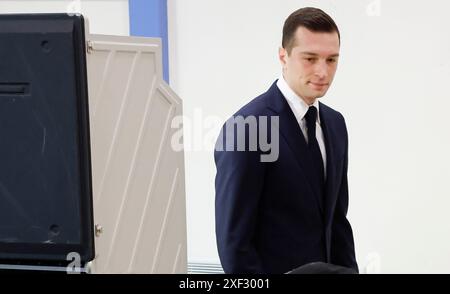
{"x": 322, "y": 268}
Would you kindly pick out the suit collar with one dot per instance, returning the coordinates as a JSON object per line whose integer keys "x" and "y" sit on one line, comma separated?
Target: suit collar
{"x": 297, "y": 104}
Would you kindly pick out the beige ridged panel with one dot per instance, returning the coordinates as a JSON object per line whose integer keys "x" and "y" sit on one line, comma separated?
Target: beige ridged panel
{"x": 138, "y": 178}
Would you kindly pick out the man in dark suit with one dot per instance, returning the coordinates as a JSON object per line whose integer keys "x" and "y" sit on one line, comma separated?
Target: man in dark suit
{"x": 279, "y": 209}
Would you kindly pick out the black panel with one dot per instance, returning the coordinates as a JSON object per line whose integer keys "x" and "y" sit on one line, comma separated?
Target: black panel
{"x": 45, "y": 176}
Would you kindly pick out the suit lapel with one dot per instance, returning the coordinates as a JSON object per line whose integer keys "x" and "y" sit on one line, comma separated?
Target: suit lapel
{"x": 330, "y": 140}
{"x": 291, "y": 132}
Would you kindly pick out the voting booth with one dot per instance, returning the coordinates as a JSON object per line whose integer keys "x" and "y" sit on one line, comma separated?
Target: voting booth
{"x": 89, "y": 180}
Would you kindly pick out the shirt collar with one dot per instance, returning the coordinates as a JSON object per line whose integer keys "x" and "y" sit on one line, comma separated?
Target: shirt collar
{"x": 297, "y": 103}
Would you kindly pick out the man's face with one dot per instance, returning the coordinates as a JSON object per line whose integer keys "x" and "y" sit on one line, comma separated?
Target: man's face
{"x": 310, "y": 67}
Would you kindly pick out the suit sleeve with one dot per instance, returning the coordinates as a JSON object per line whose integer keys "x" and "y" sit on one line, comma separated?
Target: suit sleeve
{"x": 239, "y": 183}
{"x": 342, "y": 247}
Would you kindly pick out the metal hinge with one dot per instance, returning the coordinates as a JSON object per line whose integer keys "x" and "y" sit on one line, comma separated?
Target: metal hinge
{"x": 89, "y": 47}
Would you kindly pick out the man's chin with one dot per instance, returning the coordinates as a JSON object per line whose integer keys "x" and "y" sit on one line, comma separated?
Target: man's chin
{"x": 318, "y": 94}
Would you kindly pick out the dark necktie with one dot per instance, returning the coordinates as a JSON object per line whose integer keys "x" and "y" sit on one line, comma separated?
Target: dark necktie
{"x": 313, "y": 145}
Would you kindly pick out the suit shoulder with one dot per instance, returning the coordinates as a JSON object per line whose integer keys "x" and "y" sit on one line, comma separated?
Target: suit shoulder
{"x": 336, "y": 119}
{"x": 331, "y": 112}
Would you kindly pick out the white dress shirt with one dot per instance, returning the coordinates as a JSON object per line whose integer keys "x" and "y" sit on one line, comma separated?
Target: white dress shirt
{"x": 299, "y": 108}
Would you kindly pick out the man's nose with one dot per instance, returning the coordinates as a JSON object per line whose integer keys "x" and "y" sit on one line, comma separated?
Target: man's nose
{"x": 321, "y": 70}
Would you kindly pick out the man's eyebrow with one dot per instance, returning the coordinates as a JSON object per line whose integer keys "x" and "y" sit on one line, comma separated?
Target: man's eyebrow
{"x": 315, "y": 54}
{"x": 309, "y": 53}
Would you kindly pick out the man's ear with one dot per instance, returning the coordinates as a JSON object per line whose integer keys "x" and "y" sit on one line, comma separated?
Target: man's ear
{"x": 282, "y": 54}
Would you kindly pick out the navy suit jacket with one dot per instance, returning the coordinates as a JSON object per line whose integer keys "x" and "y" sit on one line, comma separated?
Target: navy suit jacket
{"x": 269, "y": 216}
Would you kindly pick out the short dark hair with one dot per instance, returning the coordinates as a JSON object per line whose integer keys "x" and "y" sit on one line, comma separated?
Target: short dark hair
{"x": 313, "y": 19}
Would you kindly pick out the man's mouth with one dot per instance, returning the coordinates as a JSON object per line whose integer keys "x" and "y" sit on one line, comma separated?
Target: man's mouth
{"x": 318, "y": 84}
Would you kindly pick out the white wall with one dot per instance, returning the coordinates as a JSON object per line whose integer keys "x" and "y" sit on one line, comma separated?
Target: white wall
{"x": 391, "y": 86}
{"x": 108, "y": 17}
